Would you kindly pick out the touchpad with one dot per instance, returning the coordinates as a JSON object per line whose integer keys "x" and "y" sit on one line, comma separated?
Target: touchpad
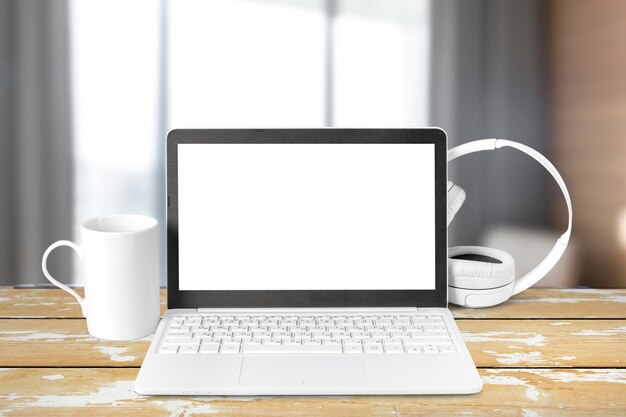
{"x": 328, "y": 371}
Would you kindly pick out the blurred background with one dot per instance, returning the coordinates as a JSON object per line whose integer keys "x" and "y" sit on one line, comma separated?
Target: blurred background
{"x": 89, "y": 89}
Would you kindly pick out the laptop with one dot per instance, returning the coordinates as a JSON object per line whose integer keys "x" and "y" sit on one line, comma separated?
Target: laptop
{"x": 307, "y": 262}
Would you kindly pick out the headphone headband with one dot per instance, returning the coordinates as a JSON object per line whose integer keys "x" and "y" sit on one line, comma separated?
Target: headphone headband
{"x": 557, "y": 251}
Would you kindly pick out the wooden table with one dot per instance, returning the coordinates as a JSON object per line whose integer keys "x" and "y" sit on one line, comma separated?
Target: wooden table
{"x": 544, "y": 353}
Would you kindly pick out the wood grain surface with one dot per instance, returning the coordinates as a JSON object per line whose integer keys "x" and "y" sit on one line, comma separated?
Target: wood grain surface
{"x": 531, "y": 304}
{"x": 544, "y": 353}
{"x": 507, "y": 392}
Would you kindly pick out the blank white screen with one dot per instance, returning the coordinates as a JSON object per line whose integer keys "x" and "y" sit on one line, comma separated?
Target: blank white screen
{"x": 306, "y": 216}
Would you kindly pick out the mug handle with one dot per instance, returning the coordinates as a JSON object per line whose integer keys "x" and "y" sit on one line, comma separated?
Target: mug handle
{"x": 44, "y": 267}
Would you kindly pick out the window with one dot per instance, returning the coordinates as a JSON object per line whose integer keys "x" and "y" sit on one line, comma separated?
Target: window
{"x": 246, "y": 63}
{"x": 115, "y": 82}
{"x": 141, "y": 68}
{"x": 380, "y": 63}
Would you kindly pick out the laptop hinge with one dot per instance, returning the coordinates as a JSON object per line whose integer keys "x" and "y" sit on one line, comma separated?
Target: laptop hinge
{"x": 312, "y": 309}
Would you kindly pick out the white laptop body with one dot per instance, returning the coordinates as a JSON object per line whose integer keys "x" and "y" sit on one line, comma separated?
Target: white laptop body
{"x": 307, "y": 262}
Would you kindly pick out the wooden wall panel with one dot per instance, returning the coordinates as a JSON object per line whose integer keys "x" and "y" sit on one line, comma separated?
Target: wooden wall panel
{"x": 586, "y": 53}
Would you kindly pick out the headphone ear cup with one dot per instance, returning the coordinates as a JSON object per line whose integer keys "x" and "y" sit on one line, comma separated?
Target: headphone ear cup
{"x": 479, "y": 268}
{"x": 456, "y": 197}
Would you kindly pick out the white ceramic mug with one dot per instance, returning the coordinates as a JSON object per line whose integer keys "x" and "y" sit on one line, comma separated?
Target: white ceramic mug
{"x": 120, "y": 264}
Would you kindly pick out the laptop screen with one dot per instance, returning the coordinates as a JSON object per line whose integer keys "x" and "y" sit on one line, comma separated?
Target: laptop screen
{"x": 306, "y": 216}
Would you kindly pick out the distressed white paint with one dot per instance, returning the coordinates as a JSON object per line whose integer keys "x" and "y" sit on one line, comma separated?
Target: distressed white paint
{"x": 560, "y": 323}
{"x": 529, "y": 413}
{"x": 551, "y": 300}
{"x": 30, "y": 335}
{"x": 615, "y": 296}
{"x": 53, "y": 377}
{"x": 532, "y": 393}
{"x": 616, "y": 376}
{"x": 517, "y": 357}
{"x": 576, "y": 295}
{"x": 529, "y": 339}
{"x": 184, "y": 408}
{"x": 566, "y": 358}
{"x": 583, "y": 291}
{"x": 112, "y": 394}
{"x": 602, "y": 332}
{"x": 115, "y": 353}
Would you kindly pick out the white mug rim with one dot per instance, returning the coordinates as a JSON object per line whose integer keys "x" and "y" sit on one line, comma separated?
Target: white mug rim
{"x": 89, "y": 225}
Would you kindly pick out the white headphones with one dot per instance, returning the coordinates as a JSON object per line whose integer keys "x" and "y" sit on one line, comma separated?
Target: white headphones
{"x": 485, "y": 277}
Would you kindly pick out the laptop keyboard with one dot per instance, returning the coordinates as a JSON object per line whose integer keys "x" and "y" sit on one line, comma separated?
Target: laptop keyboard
{"x": 307, "y": 333}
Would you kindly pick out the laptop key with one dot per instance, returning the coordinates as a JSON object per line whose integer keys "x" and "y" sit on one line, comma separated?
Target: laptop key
{"x": 211, "y": 341}
{"x": 209, "y": 348}
{"x": 169, "y": 349}
{"x": 430, "y": 349}
{"x": 394, "y": 348}
{"x": 447, "y": 349}
{"x": 371, "y": 348}
{"x": 188, "y": 349}
{"x": 292, "y": 349}
{"x": 229, "y": 348}
{"x": 413, "y": 349}
{"x": 353, "y": 349}
{"x": 179, "y": 335}
{"x": 429, "y": 341}
{"x": 181, "y": 341}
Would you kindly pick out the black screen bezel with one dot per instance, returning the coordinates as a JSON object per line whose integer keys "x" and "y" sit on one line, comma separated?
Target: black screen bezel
{"x": 307, "y": 298}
